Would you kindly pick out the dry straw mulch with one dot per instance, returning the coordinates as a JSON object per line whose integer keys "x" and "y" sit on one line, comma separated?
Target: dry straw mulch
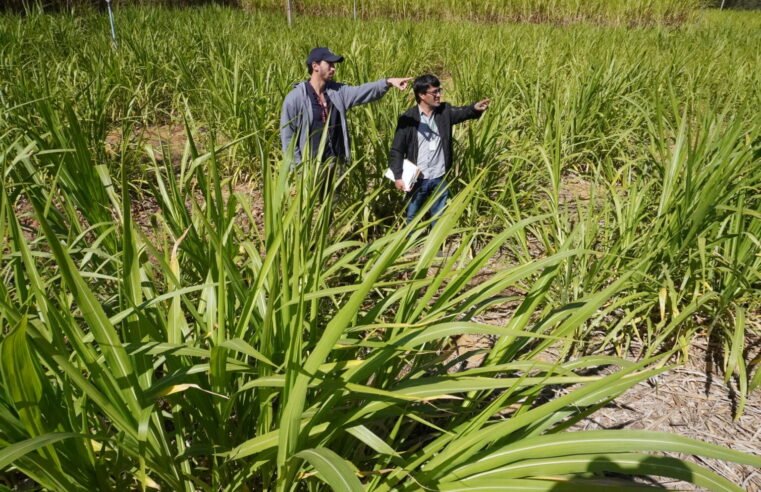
{"x": 691, "y": 400}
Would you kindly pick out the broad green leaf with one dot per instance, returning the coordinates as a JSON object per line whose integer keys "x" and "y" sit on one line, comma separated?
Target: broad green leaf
{"x": 241, "y": 346}
{"x": 24, "y": 384}
{"x": 13, "y": 452}
{"x": 371, "y": 439}
{"x": 294, "y": 407}
{"x": 606, "y": 388}
{"x": 22, "y": 379}
{"x": 629, "y": 464}
{"x": 104, "y": 332}
{"x": 332, "y": 469}
{"x": 605, "y": 441}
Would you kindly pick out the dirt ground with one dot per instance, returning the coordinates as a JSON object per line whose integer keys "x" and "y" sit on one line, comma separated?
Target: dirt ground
{"x": 691, "y": 400}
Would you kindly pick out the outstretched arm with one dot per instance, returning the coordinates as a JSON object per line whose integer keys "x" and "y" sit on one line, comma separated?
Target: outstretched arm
{"x": 464, "y": 113}
{"x": 354, "y": 95}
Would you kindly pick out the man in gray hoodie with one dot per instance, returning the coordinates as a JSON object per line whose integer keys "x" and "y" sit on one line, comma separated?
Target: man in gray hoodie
{"x": 319, "y": 102}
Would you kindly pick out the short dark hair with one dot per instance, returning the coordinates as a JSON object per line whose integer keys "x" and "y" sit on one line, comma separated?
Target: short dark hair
{"x": 423, "y": 83}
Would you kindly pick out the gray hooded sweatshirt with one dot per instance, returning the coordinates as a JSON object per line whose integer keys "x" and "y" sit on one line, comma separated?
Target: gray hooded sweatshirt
{"x": 296, "y": 117}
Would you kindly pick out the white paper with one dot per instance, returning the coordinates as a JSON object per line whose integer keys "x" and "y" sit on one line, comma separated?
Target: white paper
{"x": 410, "y": 173}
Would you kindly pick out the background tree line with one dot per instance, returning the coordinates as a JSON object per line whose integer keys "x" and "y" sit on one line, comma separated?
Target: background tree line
{"x": 63, "y": 5}
{"x": 66, "y": 5}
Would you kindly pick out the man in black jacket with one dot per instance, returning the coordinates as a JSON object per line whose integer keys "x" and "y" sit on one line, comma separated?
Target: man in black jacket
{"x": 424, "y": 136}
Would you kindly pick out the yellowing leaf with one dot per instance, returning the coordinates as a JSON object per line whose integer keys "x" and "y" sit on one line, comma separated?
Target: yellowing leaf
{"x": 179, "y": 388}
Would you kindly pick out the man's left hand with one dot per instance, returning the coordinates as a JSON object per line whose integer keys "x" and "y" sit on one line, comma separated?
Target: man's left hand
{"x": 399, "y": 83}
{"x": 482, "y": 105}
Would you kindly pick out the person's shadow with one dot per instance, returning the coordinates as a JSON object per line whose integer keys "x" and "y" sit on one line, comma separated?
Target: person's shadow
{"x": 619, "y": 475}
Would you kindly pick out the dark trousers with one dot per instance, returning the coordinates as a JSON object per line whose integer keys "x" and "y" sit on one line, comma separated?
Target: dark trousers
{"x": 423, "y": 189}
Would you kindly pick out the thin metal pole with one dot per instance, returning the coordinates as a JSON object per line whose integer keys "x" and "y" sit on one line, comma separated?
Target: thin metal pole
{"x": 722, "y": 5}
{"x": 355, "y": 9}
{"x": 288, "y": 11}
{"x": 111, "y": 21}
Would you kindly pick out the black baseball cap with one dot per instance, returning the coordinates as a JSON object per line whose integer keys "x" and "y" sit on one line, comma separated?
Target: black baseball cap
{"x": 322, "y": 54}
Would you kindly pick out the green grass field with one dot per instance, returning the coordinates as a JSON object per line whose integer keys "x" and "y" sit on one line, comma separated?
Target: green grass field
{"x": 179, "y": 310}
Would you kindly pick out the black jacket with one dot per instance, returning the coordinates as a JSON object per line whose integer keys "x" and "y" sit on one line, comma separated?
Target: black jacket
{"x": 405, "y": 138}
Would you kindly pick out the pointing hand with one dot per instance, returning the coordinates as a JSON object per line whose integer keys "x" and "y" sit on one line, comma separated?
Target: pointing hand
{"x": 399, "y": 83}
{"x": 482, "y": 105}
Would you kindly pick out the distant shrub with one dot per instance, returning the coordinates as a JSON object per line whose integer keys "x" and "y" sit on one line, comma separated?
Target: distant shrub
{"x": 22, "y": 6}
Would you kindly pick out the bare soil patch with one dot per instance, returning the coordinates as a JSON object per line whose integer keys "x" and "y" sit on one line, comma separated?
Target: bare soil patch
{"x": 692, "y": 401}
{"x": 574, "y": 188}
{"x": 170, "y": 137}
{"x": 171, "y": 140}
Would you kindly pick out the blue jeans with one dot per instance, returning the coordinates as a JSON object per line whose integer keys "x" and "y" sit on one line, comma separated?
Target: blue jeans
{"x": 423, "y": 189}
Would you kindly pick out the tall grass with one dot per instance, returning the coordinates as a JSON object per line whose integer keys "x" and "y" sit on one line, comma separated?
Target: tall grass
{"x": 231, "y": 363}
{"x": 225, "y": 342}
{"x": 618, "y": 12}
{"x": 632, "y": 13}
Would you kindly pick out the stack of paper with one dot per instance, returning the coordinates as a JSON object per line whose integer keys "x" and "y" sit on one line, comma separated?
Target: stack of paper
{"x": 410, "y": 173}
